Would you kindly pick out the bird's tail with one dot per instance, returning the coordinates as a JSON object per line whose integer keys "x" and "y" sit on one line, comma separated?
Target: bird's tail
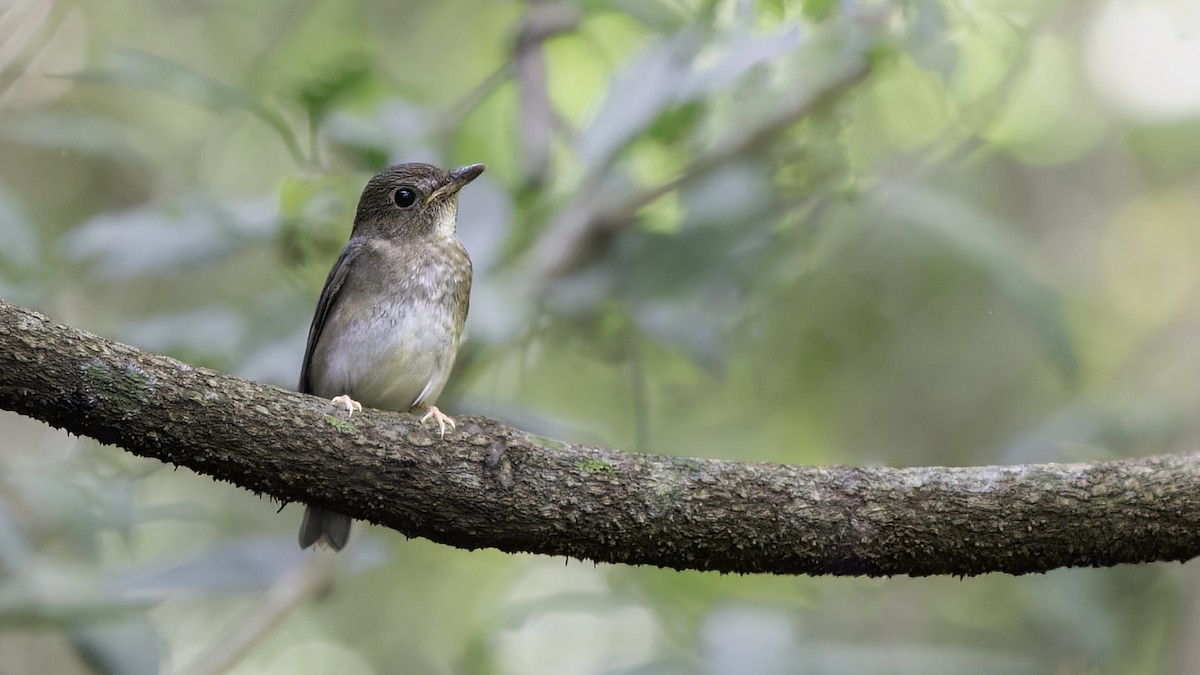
{"x": 324, "y": 528}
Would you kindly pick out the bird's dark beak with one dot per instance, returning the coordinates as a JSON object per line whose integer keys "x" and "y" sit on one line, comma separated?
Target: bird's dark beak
{"x": 465, "y": 174}
{"x": 458, "y": 180}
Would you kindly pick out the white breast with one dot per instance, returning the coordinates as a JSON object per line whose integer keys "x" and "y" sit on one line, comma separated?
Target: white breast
{"x": 397, "y": 358}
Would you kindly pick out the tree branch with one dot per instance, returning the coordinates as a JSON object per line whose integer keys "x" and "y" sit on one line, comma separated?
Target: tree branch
{"x": 490, "y": 485}
{"x": 588, "y": 223}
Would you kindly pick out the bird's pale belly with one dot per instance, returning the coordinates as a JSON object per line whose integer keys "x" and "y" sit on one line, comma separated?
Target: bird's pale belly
{"x": 390, "y": 360}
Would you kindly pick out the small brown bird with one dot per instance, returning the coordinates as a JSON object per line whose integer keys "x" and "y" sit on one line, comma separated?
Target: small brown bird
{"x": 391, "y": 315}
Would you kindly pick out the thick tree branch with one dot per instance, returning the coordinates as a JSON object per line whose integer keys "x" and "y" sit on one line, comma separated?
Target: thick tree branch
{"x": 489, "y": 485}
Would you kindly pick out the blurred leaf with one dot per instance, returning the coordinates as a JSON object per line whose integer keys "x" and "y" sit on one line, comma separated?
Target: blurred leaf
{"x": 14, "y": 545}
{"x": 320, "y": 198}
{"x": 675, "y": 122}
{"x": 316, "y": 215}
{"x": 663, "y": 16}
{"x": 18, "y": 233}
{"x": 205, "y": 330}
{"x": 819, "y": 10}
{"x": 52, "y": 592}
{"x": 1072, "y": 606}
{"x": 646, "y": 86}
{"x": 982, "y": 241}
{"x": 141, "y": 70}
{"x": 319, "y": 93}
{"x": 681, "y": 289}
{"x": 750, "y": 640}
{"x": 118, "y": 646}
{"x": 738, "y": 56}
{"x": 232, "y": 566}
{"x": 78, "y": 131}
{"x": 735, "y": 194}
{"x": 278, "y": 361}
{"x": 73, "y": 504}
{"x": 773, "y": 9}
{"x": 932, "y": 48}
{"x": 485, "y": 218}
{"x": 156, "y": 239}
{"x": 396, "y": 131}
{"x": 691, "y": 324}
{"x": 670, "y": 76}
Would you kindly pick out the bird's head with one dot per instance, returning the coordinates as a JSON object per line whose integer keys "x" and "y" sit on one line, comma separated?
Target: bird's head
{"x": 413, "y": 200}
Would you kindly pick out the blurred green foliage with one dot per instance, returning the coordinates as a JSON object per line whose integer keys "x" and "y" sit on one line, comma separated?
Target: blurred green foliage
{"x": 868, "y": 233}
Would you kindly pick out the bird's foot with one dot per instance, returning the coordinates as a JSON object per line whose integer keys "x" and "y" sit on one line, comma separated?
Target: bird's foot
{"x": 438, "y": 416}
{"x": 344, "y": 401}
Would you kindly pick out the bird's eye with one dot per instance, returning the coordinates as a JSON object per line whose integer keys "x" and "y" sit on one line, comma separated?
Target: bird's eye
{"x": 404, "y": 197}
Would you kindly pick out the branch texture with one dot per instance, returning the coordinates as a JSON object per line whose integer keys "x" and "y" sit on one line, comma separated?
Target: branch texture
{"x": 490, "y": 485}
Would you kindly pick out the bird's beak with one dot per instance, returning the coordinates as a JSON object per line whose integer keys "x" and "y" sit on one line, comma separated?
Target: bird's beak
{"x": 458, "y": 180}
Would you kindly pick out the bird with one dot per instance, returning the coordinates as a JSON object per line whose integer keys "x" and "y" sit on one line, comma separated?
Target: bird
{"x": 390, "y": 318}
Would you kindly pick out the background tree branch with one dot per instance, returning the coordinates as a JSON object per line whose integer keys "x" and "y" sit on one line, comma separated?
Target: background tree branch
{"x": 490, "y": 485}
{"x": 583, "y": 227}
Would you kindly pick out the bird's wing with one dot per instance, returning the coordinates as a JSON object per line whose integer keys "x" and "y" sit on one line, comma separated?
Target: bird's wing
{"x": 329, "y": 298}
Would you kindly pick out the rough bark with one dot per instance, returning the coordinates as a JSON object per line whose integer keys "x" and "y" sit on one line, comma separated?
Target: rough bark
{"x": 490, "y": 485}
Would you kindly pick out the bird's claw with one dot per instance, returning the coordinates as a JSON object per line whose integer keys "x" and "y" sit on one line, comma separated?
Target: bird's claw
{"x": 348, "y": 403}
{"x": 440, "y": 417}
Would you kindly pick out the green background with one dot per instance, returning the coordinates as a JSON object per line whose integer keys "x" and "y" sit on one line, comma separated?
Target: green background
{"x": 982, "y": 252}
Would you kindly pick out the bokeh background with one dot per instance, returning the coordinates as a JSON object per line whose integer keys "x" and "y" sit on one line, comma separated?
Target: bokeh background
{"x": 900, "y": 233}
